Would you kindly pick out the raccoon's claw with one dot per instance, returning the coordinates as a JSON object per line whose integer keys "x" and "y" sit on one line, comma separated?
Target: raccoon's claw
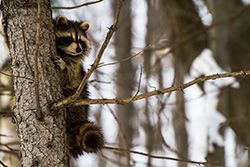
{"x": 59, "y": 62}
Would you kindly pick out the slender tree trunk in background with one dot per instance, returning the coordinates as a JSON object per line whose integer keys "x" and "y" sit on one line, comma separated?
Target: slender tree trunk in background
{"x": 218, "y": 38}
{"x": 125, "y": 75}
{"x": 239, "y": 58}
{"x": 184, "y": 21}
{"x": 43, "y": 141}
{"x": 217, "y": 155}
{"x": 179, "y": 117}
{"x": 153, "y": 31}
{"x": 147, "y": 125}
{"x": 232, "y": 53}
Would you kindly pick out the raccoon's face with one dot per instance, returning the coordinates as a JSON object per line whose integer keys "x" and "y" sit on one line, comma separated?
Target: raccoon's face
{"x": 71, "y": 37}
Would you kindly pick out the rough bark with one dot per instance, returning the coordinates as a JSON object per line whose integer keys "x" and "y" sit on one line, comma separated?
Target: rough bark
{"x": 43, "y": 141}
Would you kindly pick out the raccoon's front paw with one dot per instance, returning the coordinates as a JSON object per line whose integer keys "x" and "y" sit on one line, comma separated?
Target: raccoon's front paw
{"x": 59, "y": 62}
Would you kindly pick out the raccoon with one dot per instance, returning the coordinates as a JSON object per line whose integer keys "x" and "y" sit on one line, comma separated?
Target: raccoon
{"x": 72, "y": 46}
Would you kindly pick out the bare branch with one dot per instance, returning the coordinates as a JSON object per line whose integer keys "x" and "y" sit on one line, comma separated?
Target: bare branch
{"x": 78, "y": 6}
{"x": 9, "y": 75}
{"x": 3, "y": 164}
{"x": 158, "y": 157}
{"x": 139, "y": 85}
{"x": 109, "y": 35}
{"x": 157, "y": 92}
{"x": 130, "y": 57}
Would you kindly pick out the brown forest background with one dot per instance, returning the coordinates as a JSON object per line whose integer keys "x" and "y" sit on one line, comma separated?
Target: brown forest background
{"x": 177, "y": 32}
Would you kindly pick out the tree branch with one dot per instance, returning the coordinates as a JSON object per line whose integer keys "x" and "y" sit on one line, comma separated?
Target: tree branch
{"x": 38, "y": 112}
{"x": 158, "y": 157}
{"x": 3, "y": 164}
{"x": 12, "y": 76}
{"x": 78, "y": 6}
{"x": 157, "y": 92}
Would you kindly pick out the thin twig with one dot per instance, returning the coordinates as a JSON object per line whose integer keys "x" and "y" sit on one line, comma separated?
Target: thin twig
{"x": 11, "y": 149}
{"x": 3, "y": 164}
{"x": 162, "y": 91}
{"x": 39, "y": 112}
{"x": 78, "y": 6}
{"x": 157, "y": 157}
{"x": 9, "y": 75}
{"x": 139, "y": 85}
{"x": 109, "y": 35}
{"x": 4, "y": 135}
{"x": 130, "y": 57}
{"x": 10, "y": 152}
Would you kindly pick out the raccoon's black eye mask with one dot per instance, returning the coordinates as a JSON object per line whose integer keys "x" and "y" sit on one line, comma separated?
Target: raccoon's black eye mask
{"x": 64, "y": 41}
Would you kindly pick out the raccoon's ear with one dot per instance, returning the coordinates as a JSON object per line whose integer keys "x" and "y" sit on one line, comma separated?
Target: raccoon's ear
{"x": 85, "y": 26}
{"x": 61, "y": 21}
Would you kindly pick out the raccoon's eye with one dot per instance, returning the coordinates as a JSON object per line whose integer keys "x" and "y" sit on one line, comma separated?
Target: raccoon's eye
{"x": 83, "y": 44}
{"x": 67, "y": 40}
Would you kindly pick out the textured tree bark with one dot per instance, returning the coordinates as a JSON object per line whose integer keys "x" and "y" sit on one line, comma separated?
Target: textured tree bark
{"x": 43, "y": 141}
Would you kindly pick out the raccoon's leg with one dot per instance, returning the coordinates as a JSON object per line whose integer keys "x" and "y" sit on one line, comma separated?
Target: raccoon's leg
{"x": 90, "y": 137}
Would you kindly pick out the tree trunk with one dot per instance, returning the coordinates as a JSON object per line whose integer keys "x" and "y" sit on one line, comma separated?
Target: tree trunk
{"x": 42, "y": 138}
{"x": 238, "y": 48}
{"x": 153, "y": 141}
{"x": 125, "y": 76}
{"x": 184, "y": 21}
{"x": 218, "y": 38}
{"x": 230, "y": 45}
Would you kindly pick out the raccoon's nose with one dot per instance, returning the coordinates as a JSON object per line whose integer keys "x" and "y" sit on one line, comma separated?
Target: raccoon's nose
{"x": 78, "y": 49}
